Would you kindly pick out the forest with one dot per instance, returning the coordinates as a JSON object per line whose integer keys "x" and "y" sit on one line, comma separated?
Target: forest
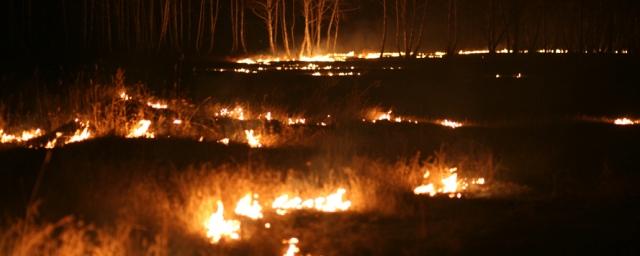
{"x": 307, "y": 27}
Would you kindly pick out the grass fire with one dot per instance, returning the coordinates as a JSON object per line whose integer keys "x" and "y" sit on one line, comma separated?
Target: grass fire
{"x": 319, "y": 127}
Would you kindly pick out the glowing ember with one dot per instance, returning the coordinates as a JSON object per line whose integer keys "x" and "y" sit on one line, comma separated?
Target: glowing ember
{"x": 157, "y": 105}
{"x": 248, "y": 206}
{"x": 252, "y": 140}
{"x": 624, "y": 121}
{"x": 268, "y": 116}
{"x": 292, "y": 249}
{"x": 177, "y": 121}
{"x": 141, "y": 130}
{"x": 331, "y": 203}
{"x": 217, "y": 227}
{"x": 451, "y": 124}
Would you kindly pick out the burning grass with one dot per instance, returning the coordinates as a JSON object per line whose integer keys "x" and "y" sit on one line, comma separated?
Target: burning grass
{"x": 224, "y": 208}
{"x": 220, "y": 208}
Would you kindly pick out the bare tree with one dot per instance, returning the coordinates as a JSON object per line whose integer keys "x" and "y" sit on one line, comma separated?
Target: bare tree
{"x": 237, "y": 8}
{"x": 267, "y": 11}
{"x": 384, "y": 27}
{"x": 285, "y": 33}
{"x": 452, "y": 28}
{"x": 213, "y": 20}
{"x": 410, "y": 19}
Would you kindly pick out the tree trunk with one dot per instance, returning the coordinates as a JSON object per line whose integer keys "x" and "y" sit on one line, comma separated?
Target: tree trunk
{"x": 285, "y": 36}
{"x": 213, "y": 21}
{"x": 452, "y": 28}
{"x": 384, "y": 27}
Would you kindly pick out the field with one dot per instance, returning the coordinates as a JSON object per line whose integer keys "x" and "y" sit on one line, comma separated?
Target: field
{"x": 464, "y": 155}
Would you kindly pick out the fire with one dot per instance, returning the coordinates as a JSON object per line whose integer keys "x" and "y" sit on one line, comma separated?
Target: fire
{"x": 224, "y": 141}
{"x": 375, "y": 115}
{"x": 141, "y": 130}
{"x": 292, "y": 248}
{"x": 294, "y": 121}
{"x": 248, "y": 206}
{"x": 252, "y": 140}
{"x": 372, "y": 55}
{"x": 80, "y": 134}
{"x": 24, "y": 136}
{"x": 384, "y": 116}
{"x": 425, "y": 189}
{"x": 235, "y": 113}
{"x": 331, "y": 203}
{"x": 177, "y": 121}
{"x": 157, "y": 105}
{"x": 52, "y": 143}
{"x": 450, "y": 184}
{"x": 451, "y": 124}
{"x": 625, "y": 121}
{"x": 218, "y": 228}
{"x": 124, "y": 96}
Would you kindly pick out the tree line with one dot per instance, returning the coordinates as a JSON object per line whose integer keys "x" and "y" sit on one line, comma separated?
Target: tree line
{"x": 307, "y": 27}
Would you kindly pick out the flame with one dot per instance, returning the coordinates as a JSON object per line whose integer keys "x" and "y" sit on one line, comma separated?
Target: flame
{"x": 141, "y": 130}
{"x": 450, "y": 184}
{"x": 292, "y": 248}
{"x": 331, "y": 203}
{"x": 293, "y": 121}
{"x": 384, "y": 116}
{"x": 252, "y": 140}
{"x": 218, "y": 228}
{"x": 235, "y": 113}
{"x": 224, "y": 141}
{"x": 157, "y": 105}
{"x": 79, "y": 135}
{"x": 451, "y": 124}
{"x": 372, "y": 55}
{"x": 625, "y": 121}
{"x": 248, "y": 206}
{"x": 375, "y": 115}
{"x": 425, "y": 189}
{"x": 52, "y": 143}
{"x": 123, "y": 95}
{"x": 177, "y": 121}
{"x": 24, "y": 136}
